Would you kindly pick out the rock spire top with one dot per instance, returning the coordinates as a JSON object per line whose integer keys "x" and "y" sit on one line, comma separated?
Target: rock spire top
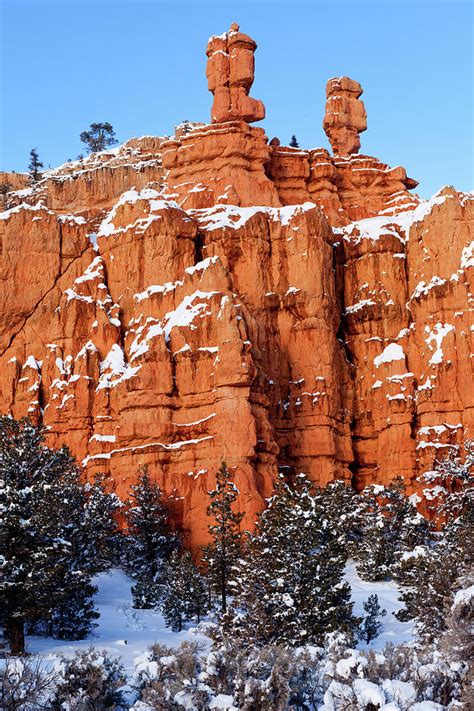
{"x": 230, "y": 74}
{"x": 345, "y": 115}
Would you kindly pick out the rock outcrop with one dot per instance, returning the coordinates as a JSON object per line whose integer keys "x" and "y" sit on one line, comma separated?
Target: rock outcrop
{"x": 345, "y": 115}
{"x": 230, "y": 74}
{"x": 177, "y": 302}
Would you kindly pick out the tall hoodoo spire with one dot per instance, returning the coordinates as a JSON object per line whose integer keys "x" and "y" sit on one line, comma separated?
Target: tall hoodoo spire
{"x": 345, "y": 115}
{"x": 230, "y": 74}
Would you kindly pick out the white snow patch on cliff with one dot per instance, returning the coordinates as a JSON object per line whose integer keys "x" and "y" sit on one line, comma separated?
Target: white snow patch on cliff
{"x": 392, "y": 352}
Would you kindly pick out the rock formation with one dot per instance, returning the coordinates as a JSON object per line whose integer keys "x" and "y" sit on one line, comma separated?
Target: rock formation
{"x": 213, "y": 296}
{"x": 345, "y": 115}
{"x": 230, "y": 74}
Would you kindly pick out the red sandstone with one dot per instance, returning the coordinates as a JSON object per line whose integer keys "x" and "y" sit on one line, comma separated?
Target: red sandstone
{"x": 215, "y": 296}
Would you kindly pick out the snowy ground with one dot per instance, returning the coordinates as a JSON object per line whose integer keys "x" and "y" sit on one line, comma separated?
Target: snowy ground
{"x": 127, "y": 633}
{"x": 387, "y": 592}
{"x": 121, "y": 630}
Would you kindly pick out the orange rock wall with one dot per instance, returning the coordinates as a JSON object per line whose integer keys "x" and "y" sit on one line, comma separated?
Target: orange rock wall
{"x": 180, "y": 301}
{"x": 233, "y": 163}
{"x": 260, "y": 335}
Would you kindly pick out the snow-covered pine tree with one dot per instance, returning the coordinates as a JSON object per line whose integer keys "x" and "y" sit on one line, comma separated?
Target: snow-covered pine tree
{"x": 150, "y": 540}
{"x": 73, "y": 617}
{"x": 341, "y": 506}
{"x": 458, "y": 640}
{"x": 42, "y": 554}
{"x": 371, "y": 624}
{"x": 391, "y": 526}
{"x": 185, "y": 591}
{"x": 198, "y": 599}
{"x": 432, "y": 579}
{"x": 289, "y": 585}
{"x": 102, "y": 540}
{"x": 85, "y": 516}
{"x": 222, "y": 553}
{"x": 450, "y": 488}
{"x": 435, "y": 570}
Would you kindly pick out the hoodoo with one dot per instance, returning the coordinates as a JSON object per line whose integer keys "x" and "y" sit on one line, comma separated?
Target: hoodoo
{"x": 180, "y": 301}
{"x": 230, "y": 74}
{"x": 345, "y": 115}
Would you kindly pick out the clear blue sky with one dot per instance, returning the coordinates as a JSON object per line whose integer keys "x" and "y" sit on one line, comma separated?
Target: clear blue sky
{"x": 140, "y": 64}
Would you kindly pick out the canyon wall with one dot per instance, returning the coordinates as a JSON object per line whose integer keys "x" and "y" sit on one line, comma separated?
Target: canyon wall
{"x": 216, "y": 295}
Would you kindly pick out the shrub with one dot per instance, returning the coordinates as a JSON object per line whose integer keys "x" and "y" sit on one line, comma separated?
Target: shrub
{"x": 24, "y": 685}
{"x": 89, "y": 681}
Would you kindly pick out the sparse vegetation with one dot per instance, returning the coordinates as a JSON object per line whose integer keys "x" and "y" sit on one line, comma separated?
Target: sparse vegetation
{"x": 99, "y": 137}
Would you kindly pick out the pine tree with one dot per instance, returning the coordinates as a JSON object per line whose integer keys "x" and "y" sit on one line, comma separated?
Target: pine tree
{"x": 150, "y": 540}
{"x": 73, "y": 617}
{"x": 450, "y": 488}
{"x": 371, "y": 623}
{"x": 294, "y": 142}
{"x": 458, "y": 640}
{"x": 289, "y": 585}
{"x": 5, "y": 188}
{"x": 101, "y": 540}
{"x": 391, "y": 527}
{"x": 341, "y": 505}
{"x": 34, "y": 166}
{"x": 185, "y": 593}
{"x": 43, "y": 547}
{"x": 432, "y": 573}
{"x": 221, "y": 554}
{"x": 99, "y": 137}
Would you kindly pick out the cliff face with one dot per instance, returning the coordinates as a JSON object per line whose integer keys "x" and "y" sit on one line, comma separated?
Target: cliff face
{"x": 216, "y": 296}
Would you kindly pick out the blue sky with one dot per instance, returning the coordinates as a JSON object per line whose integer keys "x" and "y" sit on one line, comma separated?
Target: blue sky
{"x": 140, "y": 64}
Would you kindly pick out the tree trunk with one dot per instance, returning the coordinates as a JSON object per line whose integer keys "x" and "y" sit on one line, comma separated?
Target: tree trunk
{"x": 223, "y": 592}
{"x": 16, "y": 635}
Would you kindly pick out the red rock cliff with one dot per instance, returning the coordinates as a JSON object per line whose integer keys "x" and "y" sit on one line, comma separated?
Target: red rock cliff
{"x": 215, "y": 296}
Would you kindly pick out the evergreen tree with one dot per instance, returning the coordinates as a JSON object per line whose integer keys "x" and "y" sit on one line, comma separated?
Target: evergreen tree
{"x": 34, "y": 166}
{"x": 150, "y": 540}
{"x": 433, "y": 577}
{"x": 458, "y": 640}
{"x": 73, "y": 617}
{"x": 185, "y": 593}
{"x": 450, "y": 488}
{"x": 45, "y": 569}
{"x": 341, "y": 505}
{"x": 371, "y": 623}
{"x": 294, "y": 142}
{"x": 222, "y": 553}
{"x": 391, "y": 527}
{"x": 289, "y": 585}
{"x": 5, "y": 188}
{"x": 431, "y": 572}
{"x": 99, "y": 137}
{"x": 433, "y": 580}
{"x": 101, "y": 540}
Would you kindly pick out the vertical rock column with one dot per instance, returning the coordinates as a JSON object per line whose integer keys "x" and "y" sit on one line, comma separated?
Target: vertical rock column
{"x": 345, "y": 115}
{"x": 230, "y": 74}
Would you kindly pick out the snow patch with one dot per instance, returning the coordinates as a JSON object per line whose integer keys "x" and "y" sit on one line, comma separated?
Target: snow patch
{"x": 390, "y": 353}
{"x": 435, "y": 340}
